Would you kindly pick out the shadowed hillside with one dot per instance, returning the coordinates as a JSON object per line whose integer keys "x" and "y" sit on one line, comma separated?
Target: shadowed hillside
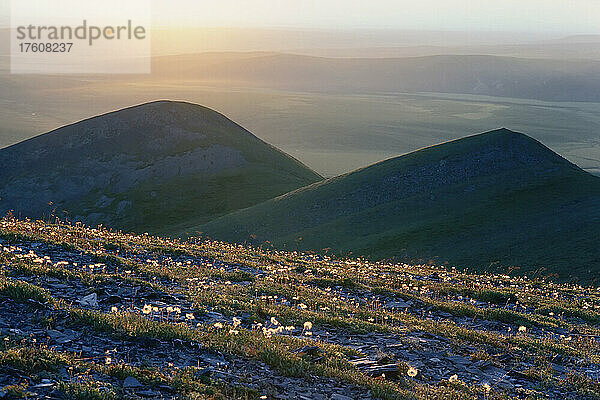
{"x": 495, "y": 199}
{"x": 149, "y": 168}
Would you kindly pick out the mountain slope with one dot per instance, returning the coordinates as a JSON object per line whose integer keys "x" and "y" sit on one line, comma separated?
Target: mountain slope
{"x": 153, "y": 167}
{"x": 495, "y": 199}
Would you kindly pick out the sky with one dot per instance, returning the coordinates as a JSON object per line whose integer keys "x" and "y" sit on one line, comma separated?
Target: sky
{"x": 488, "y": 15}
{"x": 560, "y": 16}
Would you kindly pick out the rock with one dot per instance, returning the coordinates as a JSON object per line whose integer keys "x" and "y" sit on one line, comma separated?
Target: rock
{"x": 204, "y": 372}
{"x": 508, "y": 357}
{"x": 386, "y": 359}
{"x": 505, "y": 384}
{"x": 150, "y": 342}
{"x": 458, "y": 360}
{"x": 435, "y": 276}
{"x": 165, "y": 388}
{"x": 215, "y": 316}
{"x": 397, "y": 304}
{"x": 114, "y": 299}
{"x": 63, "y": 374}
{"x": 313, "y": 353}
{"x": 58, "y": 336}
{"x": 362, "y": 363}
{"x": 522, "y": 376}
{"x": 376, "y": 368}
{"x": 45, "y": 383}
{"x": 215, "y": 360}
{"x": 337, "y": 396}
{"x": 390, "y": 370}
{"x": 131, "y": 383}
{"x": 203, "y": 375}
{"x": 36, "y": 303}
{"x": 481, "y": 364}
{"x": 148, "y": 393}
{"x": 91, "y": 300}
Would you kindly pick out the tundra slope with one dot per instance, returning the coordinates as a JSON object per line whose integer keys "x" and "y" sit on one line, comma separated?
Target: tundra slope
{"x": 98, "y": 314}
{"x": 147, "y": 168}
{"x": 497, "y": 199}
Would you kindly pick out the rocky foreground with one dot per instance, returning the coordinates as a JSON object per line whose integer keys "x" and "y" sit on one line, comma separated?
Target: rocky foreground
{"x": 95, "y": 314}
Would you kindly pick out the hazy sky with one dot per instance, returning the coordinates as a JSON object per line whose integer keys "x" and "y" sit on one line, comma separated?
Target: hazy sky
{"x": 561, "y": 16}
{"x": 503, "y": 15}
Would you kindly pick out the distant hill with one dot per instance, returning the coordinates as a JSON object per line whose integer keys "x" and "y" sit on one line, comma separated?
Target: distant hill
{"x": 579, "y": 39}
{"x": 496, "y": 199}
{"x": 154, "y": 167}
{"x": 542, "y": 79}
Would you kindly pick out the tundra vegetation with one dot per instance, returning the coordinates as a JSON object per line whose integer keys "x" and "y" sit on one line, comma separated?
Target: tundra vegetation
{"x": 99, "y": 314}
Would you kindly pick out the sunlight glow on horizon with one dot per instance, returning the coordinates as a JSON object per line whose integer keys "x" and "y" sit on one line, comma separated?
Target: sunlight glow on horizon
{"x": 560, "y": 16}
{"x": 573, "y": 16}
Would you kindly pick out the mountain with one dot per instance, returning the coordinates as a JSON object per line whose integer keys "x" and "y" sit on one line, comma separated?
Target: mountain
{"x": 154, "y": 167}
{"x": 530, "y": 78}
{"x": 496, "y": 199}
{"x": 579, "y": 39}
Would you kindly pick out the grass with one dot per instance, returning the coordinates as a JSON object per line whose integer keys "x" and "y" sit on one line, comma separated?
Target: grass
{"x": 90, "y": 380}
{"x": 23, "y": 291}
{"x": 339, "y": 297}
{"x": 487, "y": 201}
